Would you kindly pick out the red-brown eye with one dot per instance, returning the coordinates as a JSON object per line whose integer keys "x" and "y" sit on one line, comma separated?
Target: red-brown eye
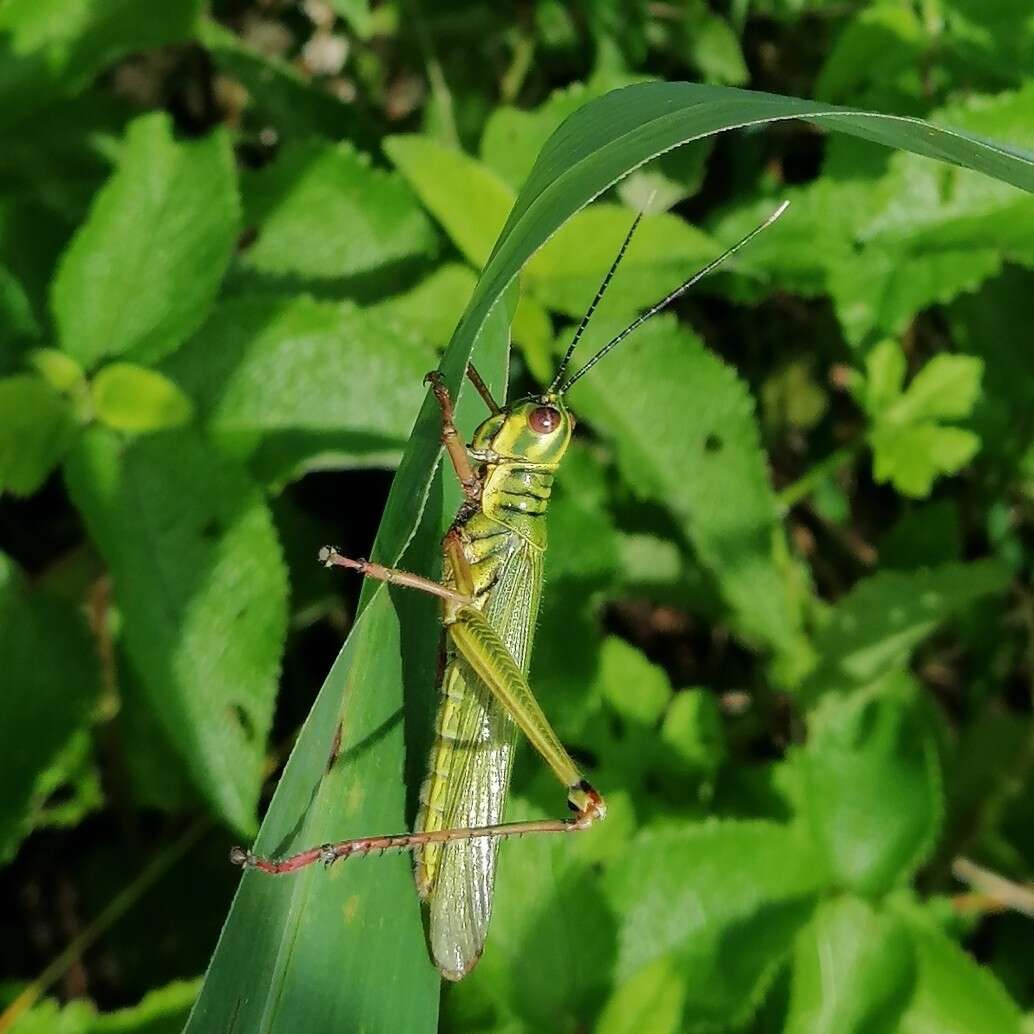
{"x": 544, "y": 419}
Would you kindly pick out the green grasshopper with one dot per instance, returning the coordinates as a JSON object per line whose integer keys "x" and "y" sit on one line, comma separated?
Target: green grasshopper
{"x": 490, "y": 588}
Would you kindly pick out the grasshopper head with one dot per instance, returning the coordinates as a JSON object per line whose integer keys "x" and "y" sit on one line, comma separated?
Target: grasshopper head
{"x": 536, "y": 429}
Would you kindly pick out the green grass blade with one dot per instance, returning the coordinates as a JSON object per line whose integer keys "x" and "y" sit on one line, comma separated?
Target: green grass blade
{"x": 344, "y": 950}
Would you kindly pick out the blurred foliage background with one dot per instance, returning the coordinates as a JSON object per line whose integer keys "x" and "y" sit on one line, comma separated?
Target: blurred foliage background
{"x": 234, "y": 237}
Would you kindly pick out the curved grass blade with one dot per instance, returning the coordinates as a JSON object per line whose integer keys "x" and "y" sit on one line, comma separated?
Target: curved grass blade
{"x": 345, "y": 949}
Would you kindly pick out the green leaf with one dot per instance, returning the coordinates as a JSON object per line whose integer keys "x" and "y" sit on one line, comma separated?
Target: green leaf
{"x": 52, "y": 682}
{"x": 57, "y": 368}
{"x": 285, "y": 954}
{"x": 953, "y": 994}
{"x": 36, "y": 428}
{"x": 885, "y": 368}
{"x": 913, "y": 456}
{"x": 693, "y": 730}
{"x": 652, "y": 999}
{"x": 143, "y": 270}
{"x": 876, "y": 626}
{"x": 684, "y": 429}
{"x": 945, "y": 388}
{"x": 872, "y": 785}
{"x": 432, "y": 309}
{"x": 56, "y": 47}
{"x": 322, "y": 212}
{"x": 326, "y": 384}
{"x": 128, "y": 397}
{"x": 566, "y": 273}
{"x": 725, "y": 898}
{"x": 465, "y": 196}
{"x": 202, "y": 589}
{"x": 713, "y": 47}
{"x": 853, "y": 971}
{"x": 636, "y": 689}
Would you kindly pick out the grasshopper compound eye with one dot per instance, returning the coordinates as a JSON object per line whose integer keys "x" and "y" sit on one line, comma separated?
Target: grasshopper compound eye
{"x": 544, "y": 419}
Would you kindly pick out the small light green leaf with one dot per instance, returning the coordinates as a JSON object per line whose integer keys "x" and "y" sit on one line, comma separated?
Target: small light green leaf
{"x": 876, "y": 626}
{"x": 954, "y": 995}
{"x": 945, "y": 388}
{"x": 912, "y": 456}
{"x": 885, "y": 368}
{"x": 57, "y": 368}
{"x": 58, "y": 46}
{"x": 465, "y": 196}
{"x": 202, "y": 588}
{"x": 143, "y": 270}
{"x": 684, "y": 429}
{"x": 725, "y": 898}
{"x": 791, "y": 396}
{"x": 51, "y": 682}
{"x": 872, "y": 785}
{"x": 128, "y": 397}
{"x": 713, "y": 47}
{"x": 651, "y": 1000}
{"x": 36, "y": 428}
{"x": 432, "y": 309}
{"x": 323, "y": 212}
{"x": 636, "y": 689}
{"x": 853, "y": 971}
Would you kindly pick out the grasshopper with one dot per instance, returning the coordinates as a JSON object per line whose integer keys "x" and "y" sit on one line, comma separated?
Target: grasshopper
{"x": 490, "y": 588}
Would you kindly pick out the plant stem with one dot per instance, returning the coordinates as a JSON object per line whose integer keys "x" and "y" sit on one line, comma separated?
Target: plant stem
{"x": 804, "y": 486}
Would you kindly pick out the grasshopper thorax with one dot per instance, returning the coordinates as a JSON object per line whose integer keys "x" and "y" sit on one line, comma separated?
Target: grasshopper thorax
{"x": 535, "y": 430}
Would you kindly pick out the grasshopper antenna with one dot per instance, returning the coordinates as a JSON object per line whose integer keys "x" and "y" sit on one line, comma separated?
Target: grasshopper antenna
{"x": 659, "y": 306}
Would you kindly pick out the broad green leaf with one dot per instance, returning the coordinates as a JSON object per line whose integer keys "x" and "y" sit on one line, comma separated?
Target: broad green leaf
{"x": 636, "y": 689}
{"x": 912, "y": 457}
{"x": 853, "y": 971}
{"x": 56, "y": 47}
{"x": 322, "y": 212}
{"x": 466, "y": 197}
{"x": 712, "y": 46}
{"x": 953, "y": 994}
{"x": 143, "y": 270}
{"x": 684, "y": 429}
{"x": 202, "y": 589}
{"x": 996, "y": 37}
{"x": 432, "y": 308}
{"x": 284, "y": 953}
{"x": 51, "y": 681}
{"x": 652, "y": 999}
{"x": 875, "y": 627}
{"x": 324, "y": 383}
{"x": 725, "y": 899}
{"x": 872, "y": 785}
{"x": 36, "y": 428}
{"x": 128, "y": 397}
{"x": 566, "y": 273}
{"x": 692, "y": 729}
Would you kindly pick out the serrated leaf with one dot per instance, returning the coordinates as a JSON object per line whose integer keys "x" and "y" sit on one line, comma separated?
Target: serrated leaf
{"x": 566, "y": 273}
{"x": 52, "y": 682}
{"x": 913, "y": 456}
{"x": 945, "y": 388}
{"x": 653, "y": 999}
{"x": 36, "y": 428}
{"x": 57, "y": 46}
{"x": 322, "y": 212}
{"x": 324, "y": 383}
{"x": 142, "y": 271}
{"x": 953, "y": 994}
{"x": 725, "y": 899}
{"x": 876, "y": 626}
{"x": 853, "y": 971}
{"x": 465, "y": 196}
{"x": 872, "y": 785}
{"x": 202, "y": 588}
{"x": 684, "y": 429}
{"x": 127, "y": 397}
